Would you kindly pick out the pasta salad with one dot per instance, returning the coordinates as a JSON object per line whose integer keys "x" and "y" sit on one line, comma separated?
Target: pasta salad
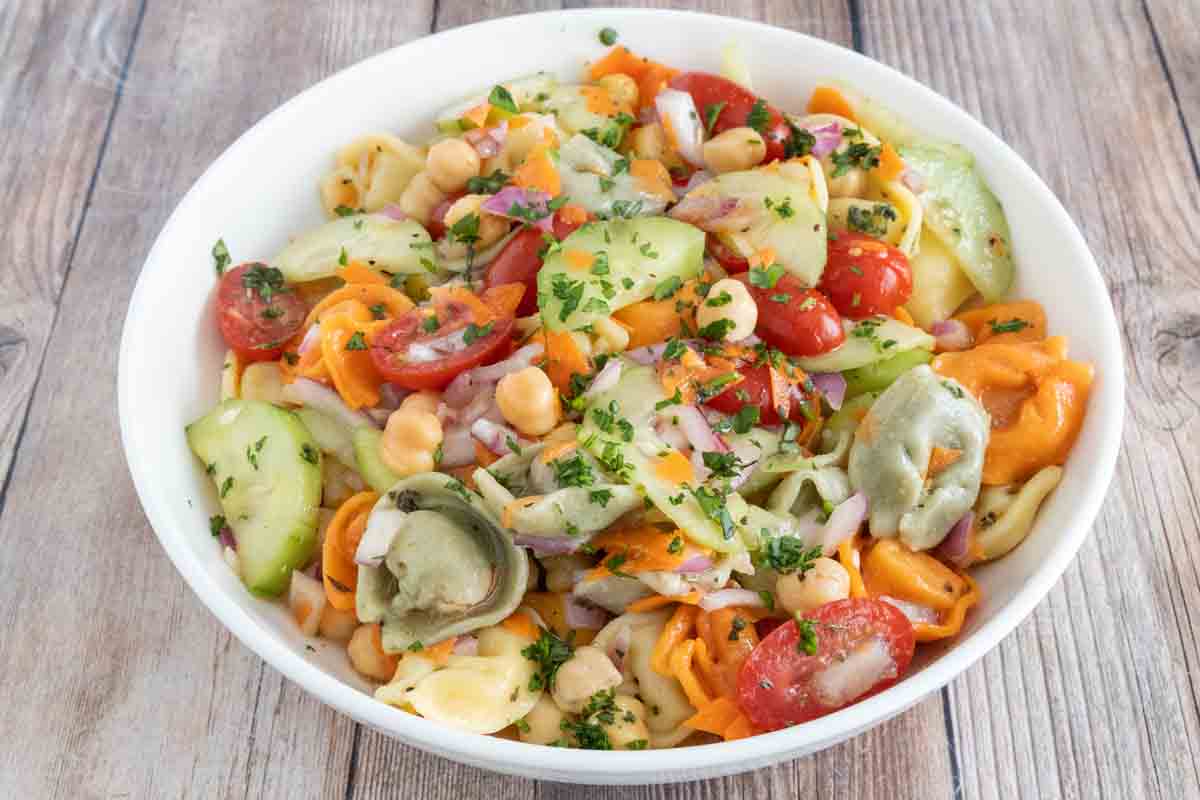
{"x": 636, "y": 412}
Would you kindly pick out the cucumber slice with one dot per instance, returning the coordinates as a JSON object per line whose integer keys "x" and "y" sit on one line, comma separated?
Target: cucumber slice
{"x": 964, "y": 214}
{"x": 330, "y": 435}
{"x": 377, "y": 474}
{"x": 638, "y": 256}
{"x": 889, "y": 127}
{"x": 267, "y": 470}
{"x": 587, "y": 170}
{"x": 878, "y": 376}
{"x": 939, "y": 286}
{"x": 868, "y": 341}
{"x": 402, "y": 247}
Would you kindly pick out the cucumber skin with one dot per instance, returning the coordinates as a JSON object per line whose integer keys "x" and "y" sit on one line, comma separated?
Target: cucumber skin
{"x": 366, "y": 453}
{"x": 878, "y": 376}
{"x": 281, "y": 534}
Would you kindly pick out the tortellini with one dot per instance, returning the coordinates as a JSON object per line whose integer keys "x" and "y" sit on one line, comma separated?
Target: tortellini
{"x": 808, "y": 490}
{"x": 1005, "y": 514}
{"x": 370, "y": 172}
{"x": 483, "y": 693}
{"x": 918, "y": 457}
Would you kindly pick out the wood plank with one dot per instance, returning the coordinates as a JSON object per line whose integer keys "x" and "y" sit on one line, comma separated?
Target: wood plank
{"x": 1177, "y": 44}
{"x": 123, "y": 684}
{"x": 1096, "y": 694}
{"x": 63, "y": 64}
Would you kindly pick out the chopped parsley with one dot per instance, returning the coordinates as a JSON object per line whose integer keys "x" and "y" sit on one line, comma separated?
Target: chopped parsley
{"x": 430, "y": 324}
{"x": 267, "y": 281}
{"x": 667, "y": 288}
{"x": 676, "y": 546}
{"x": 614, "y": 564}
{"x": 502, "y": 98}
{"x": 488, "y": 184}
{"x": 787, "y": 554}
{"x": 459, "y": 488}
{"x": 872, "y": 221}
{"x": 722, "y": 299}
{"x": 808, "y": 636}
{"x": 735, "y": 628}
{"x": 717, "y": 329}
{"x": 378, "y": 311}
{"x": 674, "y": 349}
{"x": 717, "y": 385}
{"x": 588, "y": 732}
{"x": 609, "y": 419}
{"x": 953, "y": 389}
{"x": 474, "y": 332}
{"x": 252, "y": 451}
{"x": 1011, "y": 326}
{"x": 800, "y": 143}
{"x": 573, "y": 471}
{"x": 625, "y": 209}
{"x": 309, "y": 453}
{"x": 357, "y": 342}
{"x": 859, "y": 154}
{"x": 220, "y": 254}
{"x": 674, "y": 400}
{"x": 784, "y": 209}
{"x": 345, "y": 211}
{"x": 600, "y": 264}
{"x": 712, "y": 503}
{"x": 614, "y": 460}
{"x": 569, "y": 292}
{"x": 226, "y": 485}
{"x": 741, "y": 422}
{"x": 343, "y": 260}
{"x": 723, "y": 465}
{"x": 766, "y": 277}
{"x": 600, "y": 497}
{"x": 272, "y": 312}
{"x": 215, "y": 524}
{"x": 466, "y": 230}
{"x": 759, "y": 117}
{"x": 712, "y": 112}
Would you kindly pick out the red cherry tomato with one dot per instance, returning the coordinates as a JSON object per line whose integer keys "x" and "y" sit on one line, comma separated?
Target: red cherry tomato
{"x": 724, "y": 254}
{"x": 798, "y": 321}
{"x": 519, "y": 262}
{"x": 390, "y": 350}
{"x": 256, "y": 312}
{"x": 863, "y": 647}
{"x": 754, "y": 389}
{"x": 864, "y": 276}
{"x": 437, "y": 217}
{"x": 708, "y": 90}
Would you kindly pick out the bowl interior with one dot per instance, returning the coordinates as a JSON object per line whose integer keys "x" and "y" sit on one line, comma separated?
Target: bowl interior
{"x": 171, "y": 351}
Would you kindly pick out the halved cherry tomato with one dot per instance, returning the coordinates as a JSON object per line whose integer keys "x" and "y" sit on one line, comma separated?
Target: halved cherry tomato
{"x": 724, "y": 254}
{"x": 864, "y": 276}
{"x": 390, "y": 349}
{"x": 754, "y": 389}
{"x": 519, "y": 262}
{"x": 863, "y": 646}
{"x": 256, "y": 312}
{"x": 798, "y": 321}
{"x": 708, "y": 90}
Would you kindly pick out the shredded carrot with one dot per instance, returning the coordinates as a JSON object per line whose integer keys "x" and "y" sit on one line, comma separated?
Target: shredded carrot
{"x": 504, "y": 299}
{"x": 520, "y": 624}
{"x": 477, "y": 115}
{"x": 364, "y": 296}
{"x": 521, "y": 502}
{"x": 573, "y": 214}
{"x": 446, "y": 296}
{"x": 953, "y": 622}
{"x": 681, "y": 623}
{"x": 901, "y": 314}
{"x": 659, "y": 600}
{"x": 539, "y": 172}
{"x": 890, "y": 166}
{"x": 352, "y": 371}
{"x": 554, "y": 451}
{"x": 358, "y": 272}
{"x": 483, "y": 456}
{"x": 339, "y": 572}
{"x": 644, "y": 548}
{"x": 740, "y": 728}
{"x": 940, "y": 458}
{"x": 714, "y": 717}
{"x": 762, "y": 258}
{"x": 653, "y": 321}
{"x": 675, "y": 468}
{"x": 681, "y": 667}
{"x": 563, "y": 359}
{"x": 598, "y": 100}
{"x": 846, "y": 551}
{"x": 828, "y": 100}
{"x": 440, "y": 653}
{"x": 651, "y": 177}
{"x": 651, "y": 76}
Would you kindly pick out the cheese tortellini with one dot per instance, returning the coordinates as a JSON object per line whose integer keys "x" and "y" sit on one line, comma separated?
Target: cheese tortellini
{"x": 370, "y": 172}
{"x": 918, "y": 457}
{"x": 1005, "y": 514}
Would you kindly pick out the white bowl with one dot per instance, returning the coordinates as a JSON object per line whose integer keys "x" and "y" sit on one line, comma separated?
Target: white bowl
{"x": 263, "y": 190}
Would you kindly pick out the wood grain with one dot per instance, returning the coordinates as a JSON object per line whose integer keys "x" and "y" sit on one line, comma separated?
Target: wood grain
{"x": 120, "y": 684}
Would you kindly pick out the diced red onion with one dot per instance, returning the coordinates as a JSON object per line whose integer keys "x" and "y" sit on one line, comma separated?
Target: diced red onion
{"x": 671, "y": 434}
{"x": 466, "y": 645}
{"x": 378, "y": 415}
{"x": 828, "y": 137}
{"x": 305, "y": 392}
{"x": 535, "y": 202}
{"x": 226, "y": 537}
{"x": 313, "y": 570}
{"x": 724, "y": 598}
{"x": 832, "y": 385}
{"x": 648, "y": 115}
{"x": 479, "y": 406}
{"x": 487, "y": 141}
{"x": 956, "y": 547}
{"x": 548, "y": 545}
{"x": 710, "y": 212}
{"x": 678, "y": 110}
{"x": 494, "y": 437}
{"x": 436, "y": 349}
{"x": 517, "y": 361}
{"x": 605, "y": 380}
{"x": 391, "y": 396}
{"x": 844, "y": 522}
{"x": 458, "y": 447}
{"x": 697, "y": 563}
{"x": 952, "y": 335}
{"x": 460, "y": 390}
{"x": 647, "y": 355}
{"x": 618, "y": 648}
{"x": 914, "y": 180}
{"x": 747, "y": 457}
{"x": 584, "y": 616}
{"x": 696, "y": 429}
{"x": 311, "y": 337}
{"x": 914, "y": 611}
{"x": 393, "y": 212}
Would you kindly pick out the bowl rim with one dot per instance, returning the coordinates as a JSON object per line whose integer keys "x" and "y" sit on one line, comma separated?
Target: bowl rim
{"x": 527, "y": 760}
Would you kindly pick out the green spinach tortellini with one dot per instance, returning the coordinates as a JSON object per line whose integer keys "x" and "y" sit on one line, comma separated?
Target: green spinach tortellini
{"x": 920, "y": 417}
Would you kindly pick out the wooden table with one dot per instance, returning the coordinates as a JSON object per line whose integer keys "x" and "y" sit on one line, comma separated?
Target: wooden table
{"x": 118, "y": 683}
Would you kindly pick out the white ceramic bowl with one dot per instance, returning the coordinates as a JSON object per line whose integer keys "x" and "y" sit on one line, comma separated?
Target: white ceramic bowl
{"x": 170, "y": 328}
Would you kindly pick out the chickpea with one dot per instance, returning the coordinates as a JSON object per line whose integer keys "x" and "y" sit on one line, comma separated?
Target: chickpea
{"x": 543, "y": 723}
{"x": 338, "y": 625}
{"x": 729, "y": 299}
{"x": 409, "y": 442}
{"x": 621, "y": 88}
{"x": 528, "y": 401}
{"x": 451, "y": 163}
{"x": 628, "y": 725}
{"x": 421, "y": 197}
{"x": 735, "y": 149}
{"x": 825, "y": 582}
{"x": 491, "y": 227}
{"x": 586, "y": 672}
{"x": 367, "y": 656}
{"x": 426, "y": 401}
{"x": 649, "y": 141}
